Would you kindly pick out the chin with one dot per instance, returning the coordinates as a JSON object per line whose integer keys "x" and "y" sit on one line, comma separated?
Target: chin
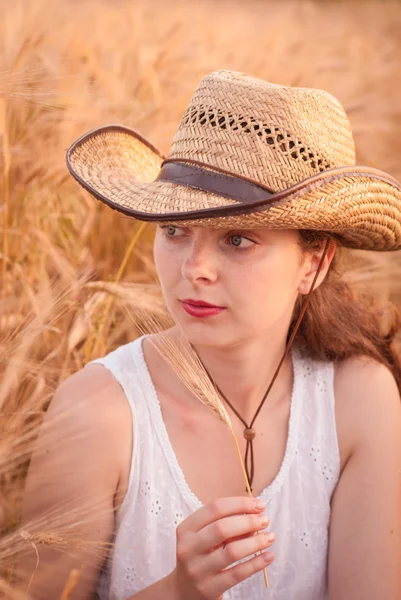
{"x": 207, "y": 335}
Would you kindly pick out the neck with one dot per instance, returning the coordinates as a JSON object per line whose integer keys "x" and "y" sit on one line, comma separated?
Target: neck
{"x": 244, "y": 372}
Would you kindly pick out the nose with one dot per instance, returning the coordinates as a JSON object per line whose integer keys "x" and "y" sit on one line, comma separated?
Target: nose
{"x": 200, "y": 262}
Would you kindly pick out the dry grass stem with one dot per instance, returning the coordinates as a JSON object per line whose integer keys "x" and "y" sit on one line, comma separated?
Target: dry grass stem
{"x": 71, "y": 584}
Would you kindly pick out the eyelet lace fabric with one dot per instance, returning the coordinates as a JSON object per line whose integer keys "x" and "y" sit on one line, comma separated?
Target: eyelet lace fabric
{"x": 159, "y": 498}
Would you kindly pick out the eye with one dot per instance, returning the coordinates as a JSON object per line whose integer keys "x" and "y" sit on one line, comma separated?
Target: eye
{"x": 240, "y": 241}
{"x": 171, "y": 231}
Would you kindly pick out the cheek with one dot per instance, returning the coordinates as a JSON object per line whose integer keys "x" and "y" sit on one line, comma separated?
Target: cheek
{"x": 167, "y": 263}
{"x": 158, "y": 256}
{"x": 269, "y": 290}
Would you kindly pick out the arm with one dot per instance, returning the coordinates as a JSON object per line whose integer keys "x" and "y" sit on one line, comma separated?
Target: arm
{"x": 365, "y": 532}
{"x": 164, "y": 588}
{"x": 70, "y": 493}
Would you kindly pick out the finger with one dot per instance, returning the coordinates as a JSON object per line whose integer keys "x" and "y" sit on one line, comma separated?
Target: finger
{"x": 217, "y": 533}
{"x": 218, "y": 509}
{"x": 230, "y": 577}
{"x": 234, "y": 551}
{"x": 220, "y": 559}
{"x": 234, "y": 539}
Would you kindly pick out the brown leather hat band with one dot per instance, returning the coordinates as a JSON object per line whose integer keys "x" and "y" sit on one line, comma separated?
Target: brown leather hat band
{"x": 198, "y": 177}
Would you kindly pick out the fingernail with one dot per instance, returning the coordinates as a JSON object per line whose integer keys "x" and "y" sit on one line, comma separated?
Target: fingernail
{"x": 268, "y": 556}
{"x": 264, "y": 521}
{"x": 270, "y": 537}
{"x": 259, "y": 504}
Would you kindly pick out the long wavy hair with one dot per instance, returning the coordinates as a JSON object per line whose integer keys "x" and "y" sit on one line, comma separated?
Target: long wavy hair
{"x": 340, "y": 323}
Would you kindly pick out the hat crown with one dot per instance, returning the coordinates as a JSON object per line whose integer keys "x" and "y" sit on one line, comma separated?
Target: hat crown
{"x": 275, "y": 135}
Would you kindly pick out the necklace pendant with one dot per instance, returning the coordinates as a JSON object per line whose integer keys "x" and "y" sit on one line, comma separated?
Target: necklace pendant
{"x": 249, "y": 433}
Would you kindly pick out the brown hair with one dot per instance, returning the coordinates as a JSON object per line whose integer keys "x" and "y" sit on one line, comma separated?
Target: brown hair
{"x": 339, "y": 323}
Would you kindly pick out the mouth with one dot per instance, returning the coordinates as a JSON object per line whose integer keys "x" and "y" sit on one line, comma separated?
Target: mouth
{"x": 200, "y": 303}
{"x": 200, "y": 308}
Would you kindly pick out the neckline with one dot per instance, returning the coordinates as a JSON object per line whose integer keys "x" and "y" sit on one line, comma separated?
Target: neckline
{"x": 155, "y": 409}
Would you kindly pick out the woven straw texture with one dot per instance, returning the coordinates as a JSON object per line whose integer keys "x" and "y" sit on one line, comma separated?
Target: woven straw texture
{"x": 276, "y": 136}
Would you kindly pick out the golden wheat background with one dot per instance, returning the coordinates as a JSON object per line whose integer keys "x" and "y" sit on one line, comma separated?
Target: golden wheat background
{"x": 68, "y": 265}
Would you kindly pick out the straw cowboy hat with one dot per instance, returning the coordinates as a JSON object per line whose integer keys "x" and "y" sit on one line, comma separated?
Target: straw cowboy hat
{"x": 247, "y": 153}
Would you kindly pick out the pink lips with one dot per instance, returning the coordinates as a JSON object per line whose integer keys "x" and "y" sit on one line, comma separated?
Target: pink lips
{"x": 199, "y": 308}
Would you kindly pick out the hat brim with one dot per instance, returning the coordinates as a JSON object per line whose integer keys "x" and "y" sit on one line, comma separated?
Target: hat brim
{"x": 119, "y": 167}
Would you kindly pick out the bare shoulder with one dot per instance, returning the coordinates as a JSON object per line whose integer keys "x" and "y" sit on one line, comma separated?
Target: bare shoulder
{"x": 95, "y": 393}
{"x": 367, "y": 400}
{"x": 364, "y": 375}
{"x": 88, "y": 423}
{"x": 92, "y": 401}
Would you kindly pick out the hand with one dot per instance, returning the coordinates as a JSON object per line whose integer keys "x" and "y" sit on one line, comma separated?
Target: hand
{"x": 214, "y": 537}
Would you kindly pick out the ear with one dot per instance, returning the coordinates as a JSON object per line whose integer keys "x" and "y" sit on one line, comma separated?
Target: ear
{"x": 311, "y": 265}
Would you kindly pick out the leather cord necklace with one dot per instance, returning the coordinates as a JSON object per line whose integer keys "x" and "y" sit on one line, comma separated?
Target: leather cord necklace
{"x": 249, "y": 431}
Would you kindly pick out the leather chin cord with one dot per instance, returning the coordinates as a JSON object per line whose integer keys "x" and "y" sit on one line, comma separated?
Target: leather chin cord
{"x": 249, "y": 431}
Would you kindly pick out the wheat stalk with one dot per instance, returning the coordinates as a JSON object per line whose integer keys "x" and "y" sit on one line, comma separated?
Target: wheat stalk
{"x": 176, "y": 350}
{"x": 6, "y": 183}
{"x": 72, "y": 581}
{"x": 107, "y": 316}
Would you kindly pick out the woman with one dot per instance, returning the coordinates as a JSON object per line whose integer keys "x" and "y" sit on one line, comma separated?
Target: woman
{"x": 258, "y": 195}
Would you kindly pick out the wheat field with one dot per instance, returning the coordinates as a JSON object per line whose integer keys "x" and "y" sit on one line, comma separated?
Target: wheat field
{"x": 69, "y": 266}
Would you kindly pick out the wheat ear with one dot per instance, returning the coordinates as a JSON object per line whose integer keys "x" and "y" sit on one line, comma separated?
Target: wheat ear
{"x": 176, "y": 350}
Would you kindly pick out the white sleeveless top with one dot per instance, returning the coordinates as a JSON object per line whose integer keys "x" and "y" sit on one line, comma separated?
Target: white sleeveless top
{"x": 159, "y": 498}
